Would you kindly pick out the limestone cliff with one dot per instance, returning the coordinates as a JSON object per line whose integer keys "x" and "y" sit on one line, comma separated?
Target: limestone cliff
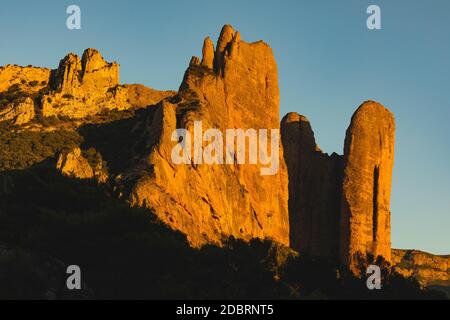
{"x": 237, "y": 88}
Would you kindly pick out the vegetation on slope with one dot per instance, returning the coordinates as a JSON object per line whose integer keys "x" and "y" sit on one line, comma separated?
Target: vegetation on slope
{"x": 48, "y": 221}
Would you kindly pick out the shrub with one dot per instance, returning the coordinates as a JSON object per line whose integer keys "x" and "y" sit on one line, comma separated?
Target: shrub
{"x": 19, "y": 150}
{"x": 68, "y": 96}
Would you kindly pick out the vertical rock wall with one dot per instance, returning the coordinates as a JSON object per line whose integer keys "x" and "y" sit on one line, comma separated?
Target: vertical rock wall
{"x": 340, "y": 206}
{"x": 366, "y": 189}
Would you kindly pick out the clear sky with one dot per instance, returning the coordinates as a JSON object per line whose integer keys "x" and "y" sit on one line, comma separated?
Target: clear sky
{"x": 328, "y": 61}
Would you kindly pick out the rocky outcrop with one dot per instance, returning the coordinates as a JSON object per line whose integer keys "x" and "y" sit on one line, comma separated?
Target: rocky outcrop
{"x": 76, "y": 89}
{"x": 97, "y": 73}
{"x": 67, "y": 76}
{"x": 30, "y": 79}
{"x": 208, "y": 202}
{"x": 91, "y": 73}
{"x": 366, "y": 187}
{"x": 428, "y": 269}
{"x": 73, "y": 164}
{"x": 86, "y": 86}
{"x": 314, "y": 189}
{"x": 20, "y": 112}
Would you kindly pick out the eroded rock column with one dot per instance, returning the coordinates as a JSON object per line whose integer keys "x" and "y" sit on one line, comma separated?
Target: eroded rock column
{"x": 366, "y": 188}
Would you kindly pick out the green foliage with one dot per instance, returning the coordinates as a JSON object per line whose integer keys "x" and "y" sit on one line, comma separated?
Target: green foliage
{"x": 126, "y": 252}
{"x": 13, "y": 94}
{"x": 22, "y": 149}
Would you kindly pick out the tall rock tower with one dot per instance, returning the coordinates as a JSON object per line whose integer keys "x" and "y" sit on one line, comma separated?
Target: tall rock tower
{"x": 366, "y": 188}
{"x": 234, "y": 86}
{"x": 339, "y": 205}
{"x": 315, "y": 180}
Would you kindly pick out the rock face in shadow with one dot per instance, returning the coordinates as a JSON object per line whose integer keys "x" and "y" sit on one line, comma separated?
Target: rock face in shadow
{"x": 340, "y": 206}
{"x": 209, "y": 201}
{"x": 314, "y": 189}
{"x": 366, "y": 188}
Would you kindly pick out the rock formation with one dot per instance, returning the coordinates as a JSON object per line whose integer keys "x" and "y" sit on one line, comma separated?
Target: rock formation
{"x": 92, "y": 83}
{"x": 18, "y": 86}
{"x": 73, "y": 164}
{"x": 76, "y": 89}
{"x": 20, "y": 112}
{"x": 208, "y": 53}
{"x": 366, "y": 187}
{"x": 338, "y": 205}
{"x": 96, "y": 72}
{"x": 341, "y": 198}
{"x": 67, "y": 76}
{"x": 314, "y": 189}
{"x": 208, "y": 202}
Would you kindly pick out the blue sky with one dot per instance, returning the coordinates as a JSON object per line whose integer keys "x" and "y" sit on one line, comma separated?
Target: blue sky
{"x": 328, "y": 63}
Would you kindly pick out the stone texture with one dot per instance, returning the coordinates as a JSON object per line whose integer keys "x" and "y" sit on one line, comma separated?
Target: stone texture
{"x": 20, "y": 112}
{"x": 195, "y": 61}
{"x": 207, "y": 202}
{"x": 208, "y": 53}
{"x": 314, "y": 189}
{"x": 73, "y": 164}
{"x": 366, "y": 188}
{"x": 67, "y": 76}
{"x": 224, "y": 41}
{"x": 96, "y": 72}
